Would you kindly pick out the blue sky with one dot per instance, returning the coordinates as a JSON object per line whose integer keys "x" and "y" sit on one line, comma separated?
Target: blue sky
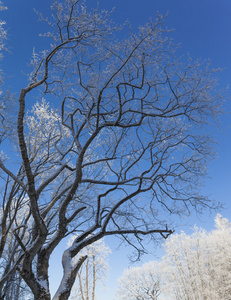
{"x": 203, "y": 28}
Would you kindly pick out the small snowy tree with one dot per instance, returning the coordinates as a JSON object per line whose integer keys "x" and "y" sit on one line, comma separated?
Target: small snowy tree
{"x": 140, "y": 283}
{"x": 94, "y": 270}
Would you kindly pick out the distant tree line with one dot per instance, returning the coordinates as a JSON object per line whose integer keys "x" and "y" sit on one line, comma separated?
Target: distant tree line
{"x": 194, "y": 267}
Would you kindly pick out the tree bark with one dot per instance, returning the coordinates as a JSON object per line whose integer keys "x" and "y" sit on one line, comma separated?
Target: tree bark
{"x": 67, "y": 282}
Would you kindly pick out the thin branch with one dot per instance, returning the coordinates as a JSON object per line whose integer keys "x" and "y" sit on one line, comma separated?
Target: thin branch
{"x": 15, "y": 178}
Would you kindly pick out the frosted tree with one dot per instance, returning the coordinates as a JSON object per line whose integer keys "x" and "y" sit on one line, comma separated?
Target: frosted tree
{"x": 116, "y": 142}
{"x": 14, "y": 287}
{"x": 140, "y": 283}
{"x": 94, "y": 270}
{"x": 197, "y": 266}
{"x": 219, "y": 241}
{"x": 3, "y": 33}
{"x": 5, "y": 96}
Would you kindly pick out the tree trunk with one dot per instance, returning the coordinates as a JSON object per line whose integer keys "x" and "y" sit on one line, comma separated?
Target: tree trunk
{"x": 43, "y": 296}
{"x": 67, "y": 282}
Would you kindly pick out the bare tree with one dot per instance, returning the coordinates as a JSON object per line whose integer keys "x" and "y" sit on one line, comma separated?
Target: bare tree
{"x": 119, "y": 140}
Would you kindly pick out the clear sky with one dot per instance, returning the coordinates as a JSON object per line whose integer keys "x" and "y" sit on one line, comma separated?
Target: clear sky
{"x": 204, "y": 29}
